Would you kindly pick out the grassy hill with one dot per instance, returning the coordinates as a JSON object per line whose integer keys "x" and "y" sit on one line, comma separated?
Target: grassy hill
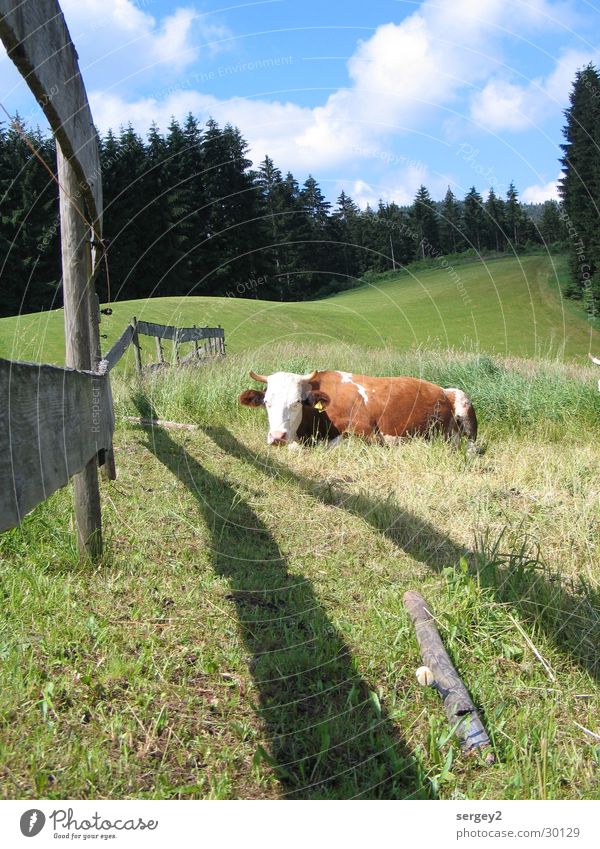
{"x": 244, "y": 636}
{"x": 509, "y": 307}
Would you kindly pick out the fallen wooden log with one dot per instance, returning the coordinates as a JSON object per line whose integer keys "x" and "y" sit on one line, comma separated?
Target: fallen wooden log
{"x": 139, "y": 420}
{"x": 460, "y": 710}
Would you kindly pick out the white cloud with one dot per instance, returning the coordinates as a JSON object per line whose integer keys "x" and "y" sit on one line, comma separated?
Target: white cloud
{"x": 506, "y": 105}
{"x": 502, "y": 106}
{"x": 119, "y": 41}
{"x": 541, "y": 193}
{"x": 397, "y": 78}
{"x": 398, "y": 186}
{"x": 172, "y": 43}
{"x": 269, "y": 126}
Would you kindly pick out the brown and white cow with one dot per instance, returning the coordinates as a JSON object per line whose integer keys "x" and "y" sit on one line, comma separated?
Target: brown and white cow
{"x": 327, "y": 404}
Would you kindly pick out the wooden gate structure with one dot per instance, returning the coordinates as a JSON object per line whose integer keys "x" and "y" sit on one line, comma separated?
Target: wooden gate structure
{"x": 58, "y": 423}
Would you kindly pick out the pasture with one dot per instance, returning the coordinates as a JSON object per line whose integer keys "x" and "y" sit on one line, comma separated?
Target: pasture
{"x": 505, "y": 307}
{"x": 244, "y": 635}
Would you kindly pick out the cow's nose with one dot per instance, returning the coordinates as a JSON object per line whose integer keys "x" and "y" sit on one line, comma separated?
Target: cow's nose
{"x": 276, "y": 437}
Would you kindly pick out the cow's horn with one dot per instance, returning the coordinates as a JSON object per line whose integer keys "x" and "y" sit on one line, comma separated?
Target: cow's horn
{"x": 261, "y": 378}
{"x": 311, "y": 376}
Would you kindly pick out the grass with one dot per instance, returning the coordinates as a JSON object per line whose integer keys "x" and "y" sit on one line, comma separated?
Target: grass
{"x": 506, "y": 307}
{"x": 244, "y": 635}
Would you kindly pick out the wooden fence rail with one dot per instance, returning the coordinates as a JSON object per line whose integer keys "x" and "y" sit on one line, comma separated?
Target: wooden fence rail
{"x": 110, "y": 360}
{"x": 53, "y": 421}
{"x": 178, "y": 335}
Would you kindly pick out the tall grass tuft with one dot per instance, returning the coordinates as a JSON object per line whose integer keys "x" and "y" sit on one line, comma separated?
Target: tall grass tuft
{"x": 509, "y": 395}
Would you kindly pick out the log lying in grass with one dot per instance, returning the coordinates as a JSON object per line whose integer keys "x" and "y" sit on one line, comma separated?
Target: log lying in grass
{"x": 139, "y": 420}
{"x": 460, "y": 710}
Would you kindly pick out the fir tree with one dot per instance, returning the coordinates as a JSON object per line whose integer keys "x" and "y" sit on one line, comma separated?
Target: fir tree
{"x": 424, "y": 219}
{"x": 515, "y": 219}
{"x": 580, "y": 183}
{"x": 552, "y": 229}
{"x": 451, "y": 237}
{"x": 343, "y": 233}
{"x": 234, "y": 224}
{"x": 495, "y": 222}
{"x": 474, "y": 218}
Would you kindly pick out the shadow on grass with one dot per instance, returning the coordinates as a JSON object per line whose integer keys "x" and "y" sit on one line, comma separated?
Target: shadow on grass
{"x": 510, "y": 564}
{"x": 328, "y": 737}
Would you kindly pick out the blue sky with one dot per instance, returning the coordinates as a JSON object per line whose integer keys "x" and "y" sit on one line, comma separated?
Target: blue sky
{"x": 373, "y": 97}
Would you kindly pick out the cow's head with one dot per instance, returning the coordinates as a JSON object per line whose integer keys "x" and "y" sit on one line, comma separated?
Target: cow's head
{"x": 285, "y": 397}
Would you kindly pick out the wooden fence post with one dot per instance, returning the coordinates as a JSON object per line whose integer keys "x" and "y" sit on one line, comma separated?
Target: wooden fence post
{"x": 196, "y": 349}
{"x": 159, "y": 350}
{"x": 136, "y": 347}
{"x": 80, "y": 352}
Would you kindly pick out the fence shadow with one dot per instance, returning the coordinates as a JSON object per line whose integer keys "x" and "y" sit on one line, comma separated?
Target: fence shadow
{"x": 328, "y": 737}
{"x": 567, "y": 613}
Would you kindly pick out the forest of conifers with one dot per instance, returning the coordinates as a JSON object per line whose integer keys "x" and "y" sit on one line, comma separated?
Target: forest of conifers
{"x": 186, "y": 212}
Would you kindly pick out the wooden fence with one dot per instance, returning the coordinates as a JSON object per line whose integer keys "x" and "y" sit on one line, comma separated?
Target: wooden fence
{"x": 213, "y": 338}
{"x": 55, "y": 421}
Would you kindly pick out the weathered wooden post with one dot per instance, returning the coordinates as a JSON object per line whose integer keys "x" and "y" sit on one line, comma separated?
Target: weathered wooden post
{"x": 159, "y": 350}
{"x": 136, "y": 347}
{"x": 37, "y": 40}
{"x": 82, "y": 342}
{"x": 196, "y": 349}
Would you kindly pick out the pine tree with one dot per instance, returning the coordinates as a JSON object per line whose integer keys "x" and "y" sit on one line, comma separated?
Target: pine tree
{"x": 392, "y": 239}
{"x": 160, "y": 255}
{"x": 343, "y": 234}
{"x": 516, "y": 226}
{"x": 424, "y": 219}
{"x": 580, "y": 184}
{"x": 552, "y": 229}
{"x": 29, "y": 223}
{"x": 181, "y": 175}
{"x": 271, "y": 194}
{"x": 314, "y": 203}
{"x": 474, "y": 218}
{"x": 300, "y": 275}
{"x": 123, "y": 163}
{"x": 235, "y": 228}
{"x": 495, "y": 222}
{"x": 451, "y": 238}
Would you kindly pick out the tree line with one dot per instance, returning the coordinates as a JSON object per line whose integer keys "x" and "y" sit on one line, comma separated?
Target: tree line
{"x": 580, "y": 188}
{"x": 187, "y": 214}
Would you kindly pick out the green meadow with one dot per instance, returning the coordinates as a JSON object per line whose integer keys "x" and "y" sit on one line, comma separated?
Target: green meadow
{"x": 506, "y": 307}
{"x": 243, "y": 635}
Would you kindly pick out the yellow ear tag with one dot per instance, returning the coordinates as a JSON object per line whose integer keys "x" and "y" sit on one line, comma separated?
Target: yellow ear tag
{"x": 319, "y": 406}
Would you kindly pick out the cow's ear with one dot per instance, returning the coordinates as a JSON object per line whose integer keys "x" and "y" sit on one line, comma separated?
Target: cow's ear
{"x": 252, "y": 398}
{"x": 317, "y": 399}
